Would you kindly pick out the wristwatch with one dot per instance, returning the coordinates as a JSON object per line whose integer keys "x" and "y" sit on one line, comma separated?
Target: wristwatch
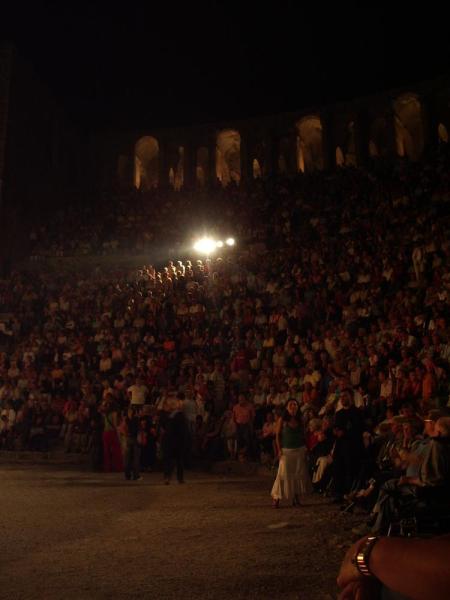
{"x": 361, "y": 559}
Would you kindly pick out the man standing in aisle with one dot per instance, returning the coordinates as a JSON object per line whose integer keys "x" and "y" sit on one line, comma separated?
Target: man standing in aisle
{"x": 243, "y": 415}
{"x": 175, "y": 441}
{"x": 132, "y": 452}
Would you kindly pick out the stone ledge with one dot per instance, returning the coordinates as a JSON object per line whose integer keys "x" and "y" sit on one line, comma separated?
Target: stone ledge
{"x": 51, "y": 457}
{"x": 224, "y": 467}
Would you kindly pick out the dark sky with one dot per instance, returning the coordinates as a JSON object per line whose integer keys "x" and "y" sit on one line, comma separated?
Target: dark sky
{"x": 151, "y": 63}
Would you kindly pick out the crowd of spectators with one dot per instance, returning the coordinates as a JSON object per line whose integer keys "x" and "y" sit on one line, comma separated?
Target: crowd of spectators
{"x": 137, "y": 222}
{"x": 337, "y": 295}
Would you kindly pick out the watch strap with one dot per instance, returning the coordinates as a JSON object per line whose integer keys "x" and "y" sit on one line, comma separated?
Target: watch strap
{"x": 362, "y": 557}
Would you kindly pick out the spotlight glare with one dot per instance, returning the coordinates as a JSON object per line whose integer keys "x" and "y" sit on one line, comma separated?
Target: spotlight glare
{"x": 205, "y": 246}
{"x": 230, "y": 242}
{"x": 219, "y": 244}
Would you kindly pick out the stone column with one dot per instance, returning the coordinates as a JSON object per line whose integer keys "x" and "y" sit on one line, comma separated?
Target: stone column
{"x": 245, "y": 151}
{"x": 211, "y": 175}
{"x": 163, "y": 169}
{"x": 390, "y": 121}
{"x": 430, "y": 122}
{"x": 6, "y": 59}
{"x": 287, "y": 144}
{"x": 270, "y": 154}
{"x": 328, "y": 149}
{"x": 126, "y": 161}
{"x": 292, "y": 162}
{"x": 189, "y": 165}
{"x": 362, "y": 133}
{"x": 251, "y": 154}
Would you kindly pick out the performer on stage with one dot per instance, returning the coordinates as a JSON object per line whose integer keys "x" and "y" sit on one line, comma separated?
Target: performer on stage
{"x": 292, "y": 479}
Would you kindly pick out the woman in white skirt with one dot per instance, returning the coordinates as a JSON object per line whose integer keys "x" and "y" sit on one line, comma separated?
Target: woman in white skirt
{"x": 292, "y": 478}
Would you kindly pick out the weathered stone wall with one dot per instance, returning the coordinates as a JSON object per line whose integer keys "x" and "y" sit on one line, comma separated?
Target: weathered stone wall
{"x": 5, "y": 77}
{"x": 347, "y": 133}
{"x": 42, "y": 158}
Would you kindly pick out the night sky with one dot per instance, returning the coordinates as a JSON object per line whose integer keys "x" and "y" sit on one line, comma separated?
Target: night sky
{"x": 158, "y": 64}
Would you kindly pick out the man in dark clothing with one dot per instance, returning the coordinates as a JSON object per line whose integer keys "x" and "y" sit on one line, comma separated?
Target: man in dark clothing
{"x": 147, "y": 442}
{"x": 96, "y": 441}
{"x": 132, "y": 454}
{"x": 349, "y": 447}
{"x": 174, "y": 443}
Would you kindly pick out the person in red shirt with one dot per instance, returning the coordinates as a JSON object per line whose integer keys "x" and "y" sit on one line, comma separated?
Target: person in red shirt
{"x": 240, "y": 360}
{"x": 243, "y": 416}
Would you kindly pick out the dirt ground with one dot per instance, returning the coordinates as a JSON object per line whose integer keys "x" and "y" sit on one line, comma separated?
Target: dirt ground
{"x": 68, "y": 534}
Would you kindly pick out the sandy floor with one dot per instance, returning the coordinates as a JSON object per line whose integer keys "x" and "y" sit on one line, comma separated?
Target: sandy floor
{"x": 68, "y": 535}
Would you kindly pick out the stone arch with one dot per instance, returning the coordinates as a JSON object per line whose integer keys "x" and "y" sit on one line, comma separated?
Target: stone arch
{"x": 373, "y": 149}
{"x": 175, "y": 165}
{"x": 379, "y": 138}
{"x": 146, "y": 163}
{"x": 258, "y": 159}
{"x": 172, "y": 178}
{"x": 340, "y": 160}
{"x": 409, "y": 130}
{"x": 300, "y": 156}
{"x": 179, "y": 171}
{"x": 442, "y": 133}
{"x": 228, "y": 156}
{"x": 201, "y": 169}
{"x": 256, "y": 169}
{"x": 283, "y": 156}
{"x": 309, "y": 144}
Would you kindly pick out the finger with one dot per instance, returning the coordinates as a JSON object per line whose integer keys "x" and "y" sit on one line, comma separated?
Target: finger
{"x": 348, "y": 593}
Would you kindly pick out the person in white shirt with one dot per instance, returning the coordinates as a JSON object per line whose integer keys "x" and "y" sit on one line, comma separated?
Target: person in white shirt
{"x": 386, "y": 388}
{"x": 312, "y": 375}
{"x": 138, "y": 392}
{"x": 355, "y": 373}
{"x": 190, "y": 410}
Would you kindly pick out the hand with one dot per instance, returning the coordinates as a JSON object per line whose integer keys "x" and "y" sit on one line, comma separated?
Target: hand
{"x": 348, "y": 573}
{"x": 361, "y": 590}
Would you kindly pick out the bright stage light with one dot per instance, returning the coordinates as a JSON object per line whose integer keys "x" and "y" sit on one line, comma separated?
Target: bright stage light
{"x": 230, "y": 242}
{"x": 205, "y": 246}
{"x": 219, "y": 244}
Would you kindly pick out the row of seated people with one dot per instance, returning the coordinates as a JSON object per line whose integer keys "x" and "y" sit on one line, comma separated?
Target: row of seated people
{"x": 403, "y": 486}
